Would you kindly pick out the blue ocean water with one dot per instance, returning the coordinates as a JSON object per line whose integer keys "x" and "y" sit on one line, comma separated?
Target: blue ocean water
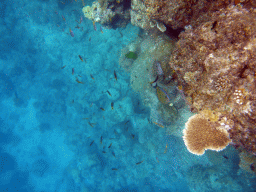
{"x": 58, "y": 131}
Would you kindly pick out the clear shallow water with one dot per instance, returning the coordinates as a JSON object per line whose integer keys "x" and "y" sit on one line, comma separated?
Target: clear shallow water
{"x": 58, "y": 131}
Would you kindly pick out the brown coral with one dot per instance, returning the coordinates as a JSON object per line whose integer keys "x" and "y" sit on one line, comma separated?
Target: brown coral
{"x": 247, "y": 162}
{"x": 216, "y": 66}
{"x": 201, "y": 134}
{"x": 179, "y": 13}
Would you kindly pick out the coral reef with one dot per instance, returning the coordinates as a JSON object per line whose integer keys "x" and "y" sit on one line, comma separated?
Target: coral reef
{"x": 247, "y": 162}
{"x": 140, "y": 17}
{"x": 179, "y": 13}
{"x": 150, "y": 14}
{"x": 201, "y": 134}
{"x": 161, "y": 99}
{"x": 108, "y": 13}
{"x": 215, "y": 64}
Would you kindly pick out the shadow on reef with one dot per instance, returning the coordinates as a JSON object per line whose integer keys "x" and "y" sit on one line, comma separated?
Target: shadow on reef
{"x": 173, "y": 33}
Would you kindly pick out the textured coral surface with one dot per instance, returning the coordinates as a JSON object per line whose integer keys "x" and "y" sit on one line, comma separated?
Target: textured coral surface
{"x": 247, "y": 162}
{"x": 179, "y": 13}
{"x": 202, "y": 134}
{"x": 107, "y": 13}
{"x": 216, "y": 64}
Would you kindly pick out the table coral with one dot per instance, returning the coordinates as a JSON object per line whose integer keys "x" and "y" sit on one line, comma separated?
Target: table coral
{"x": 216, "y": 66}
{"x": 201, "y": 134}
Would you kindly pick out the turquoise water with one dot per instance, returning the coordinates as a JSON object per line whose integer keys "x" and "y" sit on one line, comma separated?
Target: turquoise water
{"x": 58, "y": 129}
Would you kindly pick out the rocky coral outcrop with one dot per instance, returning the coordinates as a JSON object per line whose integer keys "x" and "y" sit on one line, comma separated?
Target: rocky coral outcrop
{"x": 216, "y": 66}
{"x": 140, "y": 17}
{"x": 179, "y": 13}
{"x": 108, "y": 13}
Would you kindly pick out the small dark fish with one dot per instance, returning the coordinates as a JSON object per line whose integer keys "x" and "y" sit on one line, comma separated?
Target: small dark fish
{"x": 92, "y": 143}
{"x": 71, "y": 32}
{"x": 103, "y": 151}
{"x": 102, "y": 109}
{"x": 63, "y": 67}
{"x": 113, "y": 154}
{"x": 91, "y": 124}
{"x": 79, "y": 81}
{"x": 109, "y": 93}
{"x": 133, "y": 136}
{"x": 112, "y": 105}
{"x": 110, "y": 145}
{"x": 115, "y": 75}
{"x": 101, "y": 138}
{"x": 94, "y": 26}
{"x": 73, "y": 71}
{"x": 252, "y": 167}
{"x": 63, "y": 18}
{"x": 225, "y": 156}
{"x": 127, "y": 122}
{"x": 166, "y": 148}
{"x": 90, "y": 38}
{"x": 139, "y": 163}
{"x": 80, "y": 58}
{"x": 92, "y": 76}
{"x": 115, "y": 169}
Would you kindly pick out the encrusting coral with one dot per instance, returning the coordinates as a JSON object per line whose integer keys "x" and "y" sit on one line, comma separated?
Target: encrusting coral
{"x": 107, "y": 13}
{"x": 179, "y": 13}
{"x": 216, "y": 68}
{"x": 247, "y": 162}
{"x": 201, "y": 134}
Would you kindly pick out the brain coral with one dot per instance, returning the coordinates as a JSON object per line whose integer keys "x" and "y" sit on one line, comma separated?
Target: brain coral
{"x": 201, "y": 134}
{"x": 216, "y": 66}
